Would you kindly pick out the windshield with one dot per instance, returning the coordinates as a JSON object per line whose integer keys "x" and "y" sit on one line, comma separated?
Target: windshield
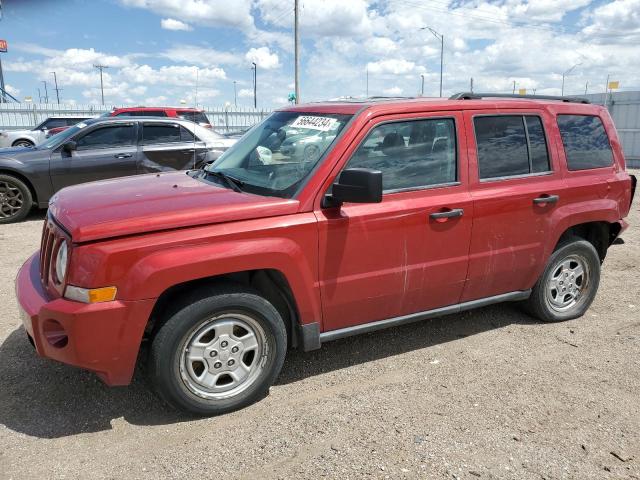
{"x": 275, "y": 156}
{"x": 59, "y": 138}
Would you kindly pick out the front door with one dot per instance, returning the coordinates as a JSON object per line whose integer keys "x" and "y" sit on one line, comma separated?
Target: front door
{"x": 408, "y": 253}
{"x": 106, "y": 151}
{"x": 516, "y": 187}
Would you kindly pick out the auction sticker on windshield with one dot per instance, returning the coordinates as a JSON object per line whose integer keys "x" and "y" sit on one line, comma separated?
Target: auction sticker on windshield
{"x": 323, "y": 124}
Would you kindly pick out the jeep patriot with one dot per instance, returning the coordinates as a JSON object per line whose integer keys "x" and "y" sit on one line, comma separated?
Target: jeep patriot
{"x": 327, "y": 220}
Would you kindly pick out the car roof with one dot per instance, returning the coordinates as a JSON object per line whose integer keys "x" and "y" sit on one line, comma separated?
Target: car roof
{"x": 92, "y": 121}
{"x": 140, "y": 109}
{"x": 387, "y": 105}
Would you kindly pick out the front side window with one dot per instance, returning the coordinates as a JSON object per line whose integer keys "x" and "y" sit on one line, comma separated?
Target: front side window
{"x": 54, "y": 123}
{"x": 585, "y": 141}
{"x": 279, "y": 153}
{"x": 411, "y": 154}
{"x": 111, "y": 136}
{"x": 510, "y": 145}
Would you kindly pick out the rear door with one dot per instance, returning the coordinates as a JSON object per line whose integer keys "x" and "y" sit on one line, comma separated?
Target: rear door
{"x": 516, "y": 186}
{"x": 106, "y": 151}
{"x": 169, "y": 146}
{"x": 408, "y": 253}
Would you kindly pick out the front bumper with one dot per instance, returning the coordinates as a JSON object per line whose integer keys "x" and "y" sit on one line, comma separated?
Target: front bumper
{"x": 102, "y": 337}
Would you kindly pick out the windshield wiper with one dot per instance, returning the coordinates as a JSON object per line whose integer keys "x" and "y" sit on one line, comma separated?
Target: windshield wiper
{"x": 233, "y": 182}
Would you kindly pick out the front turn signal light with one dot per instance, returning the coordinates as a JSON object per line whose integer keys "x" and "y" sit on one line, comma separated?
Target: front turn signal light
{"x": 90, "y": 295}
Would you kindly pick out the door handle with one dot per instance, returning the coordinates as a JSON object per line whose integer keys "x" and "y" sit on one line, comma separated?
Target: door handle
{"x": 122, "y": 155}
{"x": 191, "y": 150}
{"x": 456, "y": 212}
{"x": 546, "y": 199}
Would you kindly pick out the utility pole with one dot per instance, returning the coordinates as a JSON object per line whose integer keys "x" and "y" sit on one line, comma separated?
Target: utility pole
{"x": 514, "y": 87}
{"x": 55, "y": 79}
{"x": 296, "y": 34}
{"x": 101, "y": 68}
{"x": 255, "y": 84}
{"x": 235, "y": 94}
{"x": 471, "y": 85}
{"x": 46, "y": 93}
{"x": 606, "y": 91}
{"x": 3, "y": 98}
{"x": 422, "y": 85}
{"x": 440, "y": 37}
{"x": 586, "y": 87}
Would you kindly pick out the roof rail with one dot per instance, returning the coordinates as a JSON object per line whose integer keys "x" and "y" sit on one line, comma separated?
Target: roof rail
{"x": 478, "y": 96}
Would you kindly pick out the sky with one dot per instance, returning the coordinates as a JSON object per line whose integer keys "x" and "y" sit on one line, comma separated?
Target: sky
{"x": 161, "y": 52}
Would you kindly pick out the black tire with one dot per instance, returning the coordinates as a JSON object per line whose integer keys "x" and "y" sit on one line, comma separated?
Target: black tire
{"x": 23, "y": 143}
{"x": 15, "y": 199}
{"x": 166, "y": 364}
{"x": 542, "y": 304}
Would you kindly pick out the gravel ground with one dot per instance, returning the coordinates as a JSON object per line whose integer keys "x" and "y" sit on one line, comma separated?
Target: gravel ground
{"x": 484, "y": 394}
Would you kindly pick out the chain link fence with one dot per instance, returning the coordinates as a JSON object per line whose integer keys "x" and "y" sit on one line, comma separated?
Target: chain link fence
{"x": 15, "y": 116}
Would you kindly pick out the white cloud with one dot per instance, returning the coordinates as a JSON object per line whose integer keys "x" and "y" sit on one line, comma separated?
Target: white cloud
{"x": 263, "y": 58}
{"x": 172, "y": 75}
{"x": 392, "y": 91}
{"x": 12, "y": 90}
{"x": 204, "y": 56}
{"x": 236, "y": 13}
{"x": 393, "y": 66}
{"x": 245, "y": 93}
{"x": 173, "y": 24}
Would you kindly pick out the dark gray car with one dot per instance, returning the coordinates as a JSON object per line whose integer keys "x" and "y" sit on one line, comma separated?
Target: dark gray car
{"x": 98, "y": 149}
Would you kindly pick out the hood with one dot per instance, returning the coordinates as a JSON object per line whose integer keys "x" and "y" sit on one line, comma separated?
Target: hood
{"x": 23, "y": 153}
{"x": 147, "y": 203}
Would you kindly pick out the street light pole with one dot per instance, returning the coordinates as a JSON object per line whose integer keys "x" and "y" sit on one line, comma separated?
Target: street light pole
{"x": 440, "y": 37}
{"x": 422, "y": 86}
{"x": 55, "y": 80}
{"x": 255, "y": 84}
{"x": 235, "y": 95}
{"x": 566, "y": 74}
{"x": 296, "y": 34}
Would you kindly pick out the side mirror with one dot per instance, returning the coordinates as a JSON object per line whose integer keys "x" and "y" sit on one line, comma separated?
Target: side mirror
{"x": 358, "y": 185}
{"x": 69, "y": 147}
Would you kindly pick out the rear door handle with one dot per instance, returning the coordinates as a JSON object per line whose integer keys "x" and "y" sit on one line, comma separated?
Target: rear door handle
{"x": 456, "y": 212}
{"x": 546, "y": 199}
{"x": 122, "y": 155}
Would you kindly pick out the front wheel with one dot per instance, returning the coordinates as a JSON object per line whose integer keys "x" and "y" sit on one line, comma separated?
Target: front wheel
{"x": 15, "y": 199}
{"x": 568, "y": 285}
{"x": 23, "y": 143}
{"x": 220, "y": 352}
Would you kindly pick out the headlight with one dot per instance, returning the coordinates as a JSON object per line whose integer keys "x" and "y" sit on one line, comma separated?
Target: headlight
{"x": 61, "y": 262}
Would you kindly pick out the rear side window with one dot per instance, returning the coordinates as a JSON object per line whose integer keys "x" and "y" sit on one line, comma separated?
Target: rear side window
{"x": 168, "y": 133}
{"x": 585, "y": 141}
{"x": 510, "y": 145}
{"x": 197, "y": 117}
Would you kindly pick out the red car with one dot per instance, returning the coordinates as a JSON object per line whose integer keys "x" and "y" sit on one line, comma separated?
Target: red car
{"x": 193, "y": 114}
{"x": 409, "y": 210}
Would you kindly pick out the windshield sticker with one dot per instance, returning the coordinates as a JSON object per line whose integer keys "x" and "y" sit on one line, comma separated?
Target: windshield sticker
{"x": 323, "y": 124}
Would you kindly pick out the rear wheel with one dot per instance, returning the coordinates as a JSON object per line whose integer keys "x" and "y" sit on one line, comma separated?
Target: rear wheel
{"x": 220, "y": 352}
{"x": 23, "y": 143}
{"x": 15, "y": 199}
{"x": 569, "y": 283}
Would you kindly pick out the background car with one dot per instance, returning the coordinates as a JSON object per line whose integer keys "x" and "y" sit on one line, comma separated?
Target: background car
{"x": 29, "y": 138}
{"x": 192, "y": 114}
{"x": 99, "y": 149}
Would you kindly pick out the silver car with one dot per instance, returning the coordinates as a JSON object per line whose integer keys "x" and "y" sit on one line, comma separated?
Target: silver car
{"x": 30, "y": 138}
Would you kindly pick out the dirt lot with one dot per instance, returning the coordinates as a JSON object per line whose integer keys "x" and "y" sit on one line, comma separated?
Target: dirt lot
{"x": 485, "y": 394}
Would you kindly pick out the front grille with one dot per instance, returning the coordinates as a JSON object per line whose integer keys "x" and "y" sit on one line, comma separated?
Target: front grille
{"x": 52, "y": 237}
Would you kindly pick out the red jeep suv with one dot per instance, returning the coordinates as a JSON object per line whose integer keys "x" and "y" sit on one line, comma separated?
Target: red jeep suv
{"x": 403, "y": 210}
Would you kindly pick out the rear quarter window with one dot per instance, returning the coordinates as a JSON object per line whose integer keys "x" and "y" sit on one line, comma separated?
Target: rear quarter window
{"x": 586, "y": 144}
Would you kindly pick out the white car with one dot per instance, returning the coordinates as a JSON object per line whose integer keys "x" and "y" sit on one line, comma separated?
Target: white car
{"x": 30, "y": 138}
